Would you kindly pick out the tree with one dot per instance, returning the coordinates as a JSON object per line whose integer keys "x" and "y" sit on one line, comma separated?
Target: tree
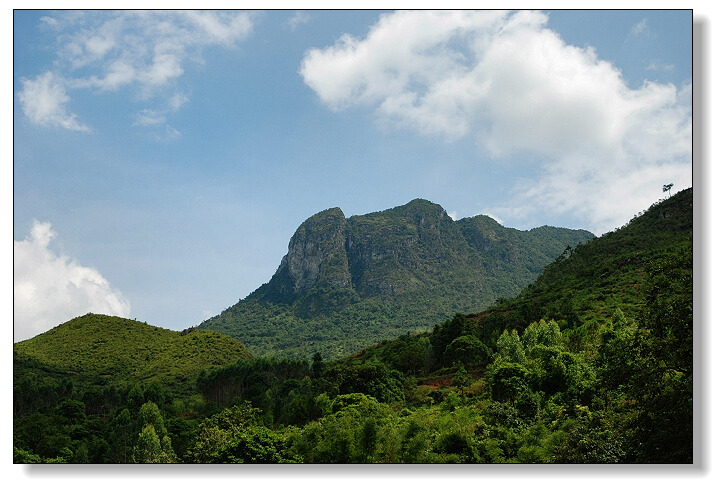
{"x": 589, "y": 440}
{"x": 42, "y": 435}
{"x": 410, "y": 354}
{"x": 455, "y": 447}
{"x": 121, "y": 432}
{"x": 461, "y": 378}
{"x": 154, "y": 444}
{"x": 368, "y": 439}
{"x": 510, "y": 348}
{"x": 415, "y": 441}
{"x": 150, "y": 415}
{"x": 73, "y": 411}
{"x": 444, "y": 334}
{"x": 663, "y": 380}
{"x": 317, "y": 365}
{"x": 508, "y": 380}
{"x": 351, "y": 433}
{"x": 147, "y": 449}
{"x": 469, "y": 351}
{"x": 135, "y": 397}
{"x": 371, "y": 378}
{"x": 220, "y": 429}
{"x": 256, "y": 445}
{"x": 157, "y": 393}
{"x": 21, "y": 456}
{"x": 541, "y": 333}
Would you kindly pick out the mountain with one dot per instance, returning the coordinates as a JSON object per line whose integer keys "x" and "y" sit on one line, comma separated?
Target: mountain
{"x": 346, "y": 283}
{"x": 117, "y": 350}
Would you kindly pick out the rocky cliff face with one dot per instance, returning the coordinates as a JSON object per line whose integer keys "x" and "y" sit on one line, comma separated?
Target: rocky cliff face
{"x": 316, "y": 252}
{"x": 406, "y": 249}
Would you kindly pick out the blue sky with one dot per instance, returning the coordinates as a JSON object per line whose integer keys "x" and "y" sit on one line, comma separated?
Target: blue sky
{"x": 162, "y": 161}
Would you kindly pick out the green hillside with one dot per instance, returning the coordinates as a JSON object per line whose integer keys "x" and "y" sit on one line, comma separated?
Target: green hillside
{"x": 589, "y": 283}
{"x": 348, "y": 283}
{"x": 118, "y": 350}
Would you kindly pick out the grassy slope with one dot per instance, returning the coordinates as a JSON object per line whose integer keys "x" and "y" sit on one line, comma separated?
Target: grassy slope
{"x": 118, "y": 349}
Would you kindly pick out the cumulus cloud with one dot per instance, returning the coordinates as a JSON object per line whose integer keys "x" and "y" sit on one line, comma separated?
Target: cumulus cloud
{"x": 49, "y": 288}
{"x": 44, "y": 102}
{"x": 519, "y": 90}
{"x": 105, "y": 51}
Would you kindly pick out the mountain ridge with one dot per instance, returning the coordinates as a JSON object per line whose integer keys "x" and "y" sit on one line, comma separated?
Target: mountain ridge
{"x": 402, "y": 268}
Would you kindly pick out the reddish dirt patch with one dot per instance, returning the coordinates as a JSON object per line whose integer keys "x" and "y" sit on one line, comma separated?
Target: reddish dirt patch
{"x": 436, "y": 383}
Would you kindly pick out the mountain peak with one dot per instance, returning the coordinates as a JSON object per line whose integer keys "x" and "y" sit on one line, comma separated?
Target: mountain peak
{"x": 419, "y": 207}
{"x": 316, "y": 252}
{"x": 383, "y": 274}
{"x": 420, "y": 203}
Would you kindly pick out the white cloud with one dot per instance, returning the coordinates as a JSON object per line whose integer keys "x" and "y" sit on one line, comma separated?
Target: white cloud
{"x": 49, "y": 21}
{"x": 149, "y": 117}
{"x": 212, "y": 27}
{"x": 655, "y": 66}
{"x": 106, "y": 51}
{"x": 298, "y": 18}
{"x": 517, "y": 88}
{"x": 157, "y": 119}
{"x": 43, "y": 100}
{"x": 171, "y": 133}
{"x": 154, "y": 125}
{"x": 166, "y": 64}
{"x": 177, "y": 101}
{"x": 117, "y": 74}
{"x": 50, "y": 288}
{"x": 640, "y": 28}
{"x": 154, "y": 121}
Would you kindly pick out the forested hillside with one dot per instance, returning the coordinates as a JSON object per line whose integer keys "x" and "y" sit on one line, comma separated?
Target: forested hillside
{"x": 98, "y": 351}
{"x": 591, "y": 363}
{"x": 348, "y": 283}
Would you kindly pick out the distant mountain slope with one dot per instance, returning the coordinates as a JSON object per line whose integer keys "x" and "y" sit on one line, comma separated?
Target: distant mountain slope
{"x": 346, "y": 283}
{"x": 120, "y": 350}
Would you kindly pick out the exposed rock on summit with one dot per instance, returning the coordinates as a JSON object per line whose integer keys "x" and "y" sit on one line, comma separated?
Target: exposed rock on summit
{"x": 389, "y": 272}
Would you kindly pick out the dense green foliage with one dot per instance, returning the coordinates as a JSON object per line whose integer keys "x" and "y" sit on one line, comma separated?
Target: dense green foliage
{"x": 98, "y": 355}
{"x": 594, "y": 279}
{"x": 348, "y": 283}
{"x": 601, "y": 380}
